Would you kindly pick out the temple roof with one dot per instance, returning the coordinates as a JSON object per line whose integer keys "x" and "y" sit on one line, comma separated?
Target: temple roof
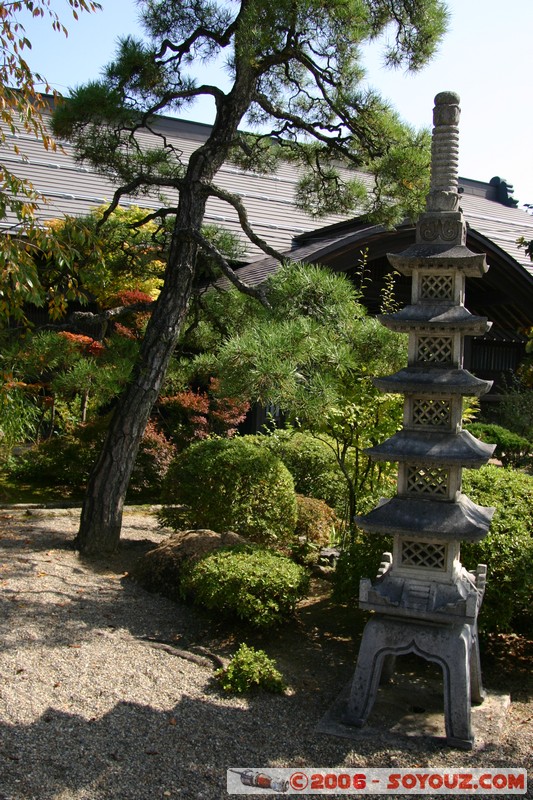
{"x": 505, "y": 295}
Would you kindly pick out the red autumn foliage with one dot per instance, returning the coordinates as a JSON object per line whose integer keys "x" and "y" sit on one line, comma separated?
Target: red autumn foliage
{"x": 130, "y": 297}
{"x": 85, "y": 344}
{"x": 134, "y": 327}
{"x": 226, "y": 412}
{"x": 193, "y": 415}
{"x": 153, "y": 460}
{"x": 124, "y": 331}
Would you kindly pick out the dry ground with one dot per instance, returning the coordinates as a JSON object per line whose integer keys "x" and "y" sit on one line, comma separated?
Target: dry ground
{"x": 90, "y": 711}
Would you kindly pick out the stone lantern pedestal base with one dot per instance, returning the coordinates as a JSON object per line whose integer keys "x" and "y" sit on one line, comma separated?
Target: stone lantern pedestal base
{"x": 454, "y": 647}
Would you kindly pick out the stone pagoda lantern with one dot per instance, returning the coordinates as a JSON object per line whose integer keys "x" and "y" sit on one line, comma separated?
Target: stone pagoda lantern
{"x": 425, "y": 601}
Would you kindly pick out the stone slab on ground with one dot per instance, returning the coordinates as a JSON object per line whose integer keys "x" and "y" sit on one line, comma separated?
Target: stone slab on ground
{"x": 413, "y": 706}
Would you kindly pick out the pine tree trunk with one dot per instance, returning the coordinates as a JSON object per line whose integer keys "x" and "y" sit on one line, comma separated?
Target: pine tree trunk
{"x": 101, "y": 517}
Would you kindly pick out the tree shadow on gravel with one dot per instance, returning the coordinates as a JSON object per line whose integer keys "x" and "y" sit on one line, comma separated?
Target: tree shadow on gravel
{"x": 98, "y": 593}
{"x": 135, "y": 752}
{"x": 66, "y": 598}
{"x": 72, "y": 596}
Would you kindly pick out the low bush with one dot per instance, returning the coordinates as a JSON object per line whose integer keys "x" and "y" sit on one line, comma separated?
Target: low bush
{"x": 511, "y": 449}
{"x": 66, "y": 461}
{"x": 231, "y": 484}
{"x": 515, "y": 409}
{"x": 250, "y": 669}
{"x": 317, "y": 523}
{"x": 249, "y": 583}
{"x": 63, "y": 461}
{"x": 360, "y": 558}
{"x": 507, "y": 549}
{"x": 317, "y": 526}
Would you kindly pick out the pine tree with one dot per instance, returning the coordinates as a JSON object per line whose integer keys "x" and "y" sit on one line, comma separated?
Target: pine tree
{"x": 295, "y": 78}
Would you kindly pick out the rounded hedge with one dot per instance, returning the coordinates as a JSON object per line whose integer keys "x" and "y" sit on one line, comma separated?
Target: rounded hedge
{"x": 511, "y": 449}
{"x": 312, "y": 464}
{"x": 249, "y": 583}
{"x": 231, "y": 484}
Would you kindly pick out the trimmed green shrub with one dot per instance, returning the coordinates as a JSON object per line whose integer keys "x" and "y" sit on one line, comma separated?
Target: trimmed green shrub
{"x": 515, "y": 409}
{"x": 511, "y": 449}
{"x": 312, "y": 464}
{"x": 231, "y": 484}
{"x": 507, "y": 549}
{"x": 250, "y": 669}
{"x": 249, "y": 583}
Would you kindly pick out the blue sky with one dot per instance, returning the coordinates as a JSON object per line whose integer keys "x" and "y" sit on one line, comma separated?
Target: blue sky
{"x": 486, "y": 57}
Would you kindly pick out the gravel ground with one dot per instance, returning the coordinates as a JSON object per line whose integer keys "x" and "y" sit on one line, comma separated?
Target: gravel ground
{"x": 89, "y": 710}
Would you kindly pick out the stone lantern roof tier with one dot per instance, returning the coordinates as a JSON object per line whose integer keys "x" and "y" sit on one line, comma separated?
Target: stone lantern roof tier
{"x": 441, "y": 318}
{"x": 428, "y": 447}
{"x": 438, "y": 257}
{"x": 439, "y": 381}
{"x": 460, "y": 520}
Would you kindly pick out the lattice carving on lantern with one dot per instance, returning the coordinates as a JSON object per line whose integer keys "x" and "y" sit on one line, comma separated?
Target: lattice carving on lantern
{"x": 434, "y": 349}
{"x": 436, "y": 287}
{"x": 430, "y": 481}
{"x": 429, "y": 413}
{"x": 425, "y": 555}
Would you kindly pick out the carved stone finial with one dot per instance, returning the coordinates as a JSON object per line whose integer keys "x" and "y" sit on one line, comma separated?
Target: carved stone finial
{"x": 444, "y": 154}
{"x": 443, "y": 223}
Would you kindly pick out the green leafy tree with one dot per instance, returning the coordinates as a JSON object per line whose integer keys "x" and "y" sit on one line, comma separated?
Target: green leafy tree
{"x": 21, "y": 109}
{"x": 294, "y": 73}
{"x": 57, "y": 369}
{"x": 18, "y": 417}
{"x": 54, "y": 378}
{"x": 118, "y": 259}
{"x": 119, "y": 255}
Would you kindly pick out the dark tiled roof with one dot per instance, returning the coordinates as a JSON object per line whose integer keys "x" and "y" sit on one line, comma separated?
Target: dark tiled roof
{"x": 269, "y": 199}
{"x": 71, "y": 189}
